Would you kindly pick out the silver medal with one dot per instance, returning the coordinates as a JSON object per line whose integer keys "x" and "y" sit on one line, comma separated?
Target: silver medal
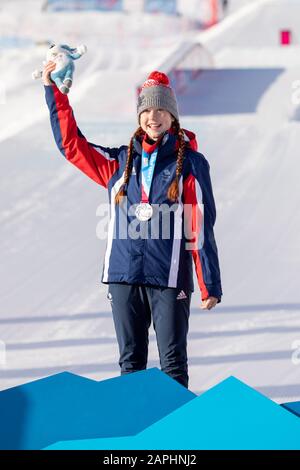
{"x": 143, "y": 211}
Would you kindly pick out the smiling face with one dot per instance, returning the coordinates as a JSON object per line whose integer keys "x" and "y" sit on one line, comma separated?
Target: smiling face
{"x": 155, "y": 122}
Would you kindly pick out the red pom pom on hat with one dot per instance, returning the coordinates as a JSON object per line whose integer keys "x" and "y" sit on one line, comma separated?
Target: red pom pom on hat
{"x": 159, "y": 77}
{"x": 155, "y": 79}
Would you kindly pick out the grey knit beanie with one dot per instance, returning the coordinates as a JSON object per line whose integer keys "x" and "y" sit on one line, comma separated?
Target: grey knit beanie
{"x": 156, "y": 92}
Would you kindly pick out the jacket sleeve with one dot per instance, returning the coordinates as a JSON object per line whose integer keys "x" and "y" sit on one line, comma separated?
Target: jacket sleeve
{"x": 201, "y": 216}
{"x": 97, "y": 162}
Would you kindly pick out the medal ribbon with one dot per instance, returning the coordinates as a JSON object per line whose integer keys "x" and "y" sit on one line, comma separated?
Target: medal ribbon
{"x": 149, "y": 155}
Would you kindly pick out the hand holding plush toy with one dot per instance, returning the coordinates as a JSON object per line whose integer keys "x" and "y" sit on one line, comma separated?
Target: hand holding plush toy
{"x": 63, "y": 56}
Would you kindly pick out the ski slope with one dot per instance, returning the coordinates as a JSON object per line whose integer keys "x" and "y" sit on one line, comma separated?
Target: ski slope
{"x": 54, "y": 314}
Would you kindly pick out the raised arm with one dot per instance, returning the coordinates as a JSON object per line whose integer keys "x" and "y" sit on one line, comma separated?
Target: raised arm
{"x": 97, "y": 162}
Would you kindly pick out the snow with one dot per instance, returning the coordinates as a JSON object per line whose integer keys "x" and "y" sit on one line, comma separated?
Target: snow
{"x": 54, "y": 314}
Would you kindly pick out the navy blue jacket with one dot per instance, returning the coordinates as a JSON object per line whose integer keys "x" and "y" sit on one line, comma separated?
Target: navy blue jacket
{"x": 163, "y": 253}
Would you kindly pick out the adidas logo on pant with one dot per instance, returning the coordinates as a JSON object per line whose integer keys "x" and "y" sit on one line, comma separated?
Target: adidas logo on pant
{"x": 181, "y": 295}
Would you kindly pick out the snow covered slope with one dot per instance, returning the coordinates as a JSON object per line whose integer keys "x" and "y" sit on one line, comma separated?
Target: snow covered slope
{"x": 54, "y": 314}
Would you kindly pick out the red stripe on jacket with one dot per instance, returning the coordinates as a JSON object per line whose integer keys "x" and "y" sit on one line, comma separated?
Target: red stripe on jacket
{"x": 77, "y": 149}
{"x": 194, "y": 219}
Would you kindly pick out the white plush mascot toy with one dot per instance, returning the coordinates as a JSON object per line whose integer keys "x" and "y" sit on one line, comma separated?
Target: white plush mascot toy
{"x": 64, "y": 57}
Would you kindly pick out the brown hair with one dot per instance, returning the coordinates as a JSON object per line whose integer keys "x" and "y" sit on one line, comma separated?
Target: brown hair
{"x": 173, "y": 191}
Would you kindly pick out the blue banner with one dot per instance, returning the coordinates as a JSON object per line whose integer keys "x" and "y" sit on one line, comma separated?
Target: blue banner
{"x": 71, "y": 5}
{"x": 161, "y": 6}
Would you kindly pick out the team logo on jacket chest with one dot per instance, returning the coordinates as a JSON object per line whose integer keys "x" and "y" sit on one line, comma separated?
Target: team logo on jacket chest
{"x": 166, "y": 174}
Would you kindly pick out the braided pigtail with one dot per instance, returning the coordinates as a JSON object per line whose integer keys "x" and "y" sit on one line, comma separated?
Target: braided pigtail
{"x": 173, "y": 191}
{"x": 123, "y": 189}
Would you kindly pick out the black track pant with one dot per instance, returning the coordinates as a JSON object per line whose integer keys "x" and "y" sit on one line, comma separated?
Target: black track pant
{"x": 132, "y": 307}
